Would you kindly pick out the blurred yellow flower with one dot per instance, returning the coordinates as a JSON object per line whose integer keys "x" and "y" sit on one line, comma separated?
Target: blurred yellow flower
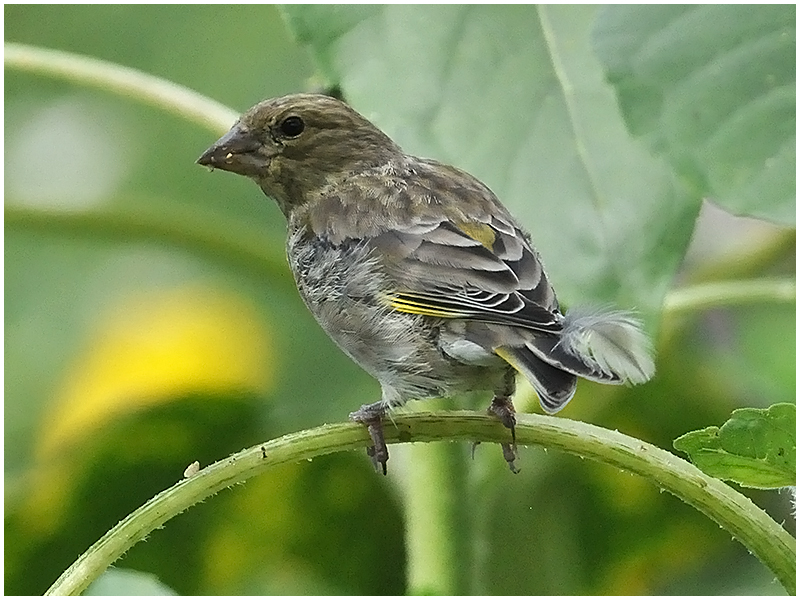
{"x": 154, "y": 349}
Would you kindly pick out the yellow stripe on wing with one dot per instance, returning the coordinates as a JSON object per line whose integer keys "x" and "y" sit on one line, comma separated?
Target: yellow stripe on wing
{"x": 412, "y": 306}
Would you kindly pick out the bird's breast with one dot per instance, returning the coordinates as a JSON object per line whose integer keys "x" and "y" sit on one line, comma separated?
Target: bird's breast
{"x": 345, "y": 287}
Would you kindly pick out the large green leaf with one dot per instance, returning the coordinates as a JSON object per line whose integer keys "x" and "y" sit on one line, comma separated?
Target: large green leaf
{"x": 514, "y": 95}
{"x": 712, "y": 88}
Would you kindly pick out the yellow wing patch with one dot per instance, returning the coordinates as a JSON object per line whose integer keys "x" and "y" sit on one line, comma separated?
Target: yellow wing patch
{"x": 506, "y": 356}
{"x": 410, "y": 305}
{"x": 480, "y": 232}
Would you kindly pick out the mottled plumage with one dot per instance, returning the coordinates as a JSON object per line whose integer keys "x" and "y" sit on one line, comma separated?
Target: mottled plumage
{"x": 416, "y": 270}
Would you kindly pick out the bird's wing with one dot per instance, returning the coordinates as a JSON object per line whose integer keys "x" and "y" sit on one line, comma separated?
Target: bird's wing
{"x": 484, "y": 270}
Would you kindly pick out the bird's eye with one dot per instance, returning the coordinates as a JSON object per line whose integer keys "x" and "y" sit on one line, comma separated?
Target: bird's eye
{"x": 292, "y": 126}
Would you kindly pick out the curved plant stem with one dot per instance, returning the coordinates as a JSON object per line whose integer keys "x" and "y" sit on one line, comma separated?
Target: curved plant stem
{"x": 124, "y": 81}
{"x": 744, "y": 520}
{"x": 714, "y": 294}
{"x": 762, "y": 536}
{"x": 241, "y": 246}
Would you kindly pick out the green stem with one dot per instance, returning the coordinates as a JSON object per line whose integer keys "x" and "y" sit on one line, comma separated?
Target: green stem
{"x": 433, "y": 484}
{"x": 432, "y": 497}
{"x": 124, "y": 81}
{"x": 241, "y": 247}
{"x": 714, "y": 294}
{"x": 759, "y": 533}
{"x": 762, "y": 536}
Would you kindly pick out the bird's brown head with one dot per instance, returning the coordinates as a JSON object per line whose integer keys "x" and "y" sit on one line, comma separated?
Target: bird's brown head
{"x": 296, "y": 145}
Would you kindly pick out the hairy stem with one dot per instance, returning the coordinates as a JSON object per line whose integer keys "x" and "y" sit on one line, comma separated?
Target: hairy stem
{"x": 731, "y": 510}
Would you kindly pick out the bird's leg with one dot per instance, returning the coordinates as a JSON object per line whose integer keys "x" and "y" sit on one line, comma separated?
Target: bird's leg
{"x": 371, "y": 415}
{"x": 502, "y": 408}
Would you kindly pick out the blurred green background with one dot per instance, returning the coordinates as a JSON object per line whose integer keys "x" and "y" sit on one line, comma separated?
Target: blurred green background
{"x": 133, "y": 349}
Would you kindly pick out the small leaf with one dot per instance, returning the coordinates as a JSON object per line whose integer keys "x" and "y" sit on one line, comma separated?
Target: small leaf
{"x": 755, "y": 447}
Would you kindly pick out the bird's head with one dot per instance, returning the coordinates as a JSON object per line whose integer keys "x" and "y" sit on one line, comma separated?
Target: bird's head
{"x": 294, "y": 146}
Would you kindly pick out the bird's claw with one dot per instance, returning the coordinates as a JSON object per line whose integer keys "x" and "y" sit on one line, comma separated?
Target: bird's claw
{"x": 372, "y": 418}
{"x": 502, "y": 408}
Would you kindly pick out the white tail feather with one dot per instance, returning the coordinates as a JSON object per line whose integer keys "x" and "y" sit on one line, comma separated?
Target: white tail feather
{"x": 610, "y": 341}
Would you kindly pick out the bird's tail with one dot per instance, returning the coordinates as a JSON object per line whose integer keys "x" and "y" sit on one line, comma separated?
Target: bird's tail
{"x": 611, "y": 345}
{"x": 600, "y": 345}
{"x": 555, "y": 387}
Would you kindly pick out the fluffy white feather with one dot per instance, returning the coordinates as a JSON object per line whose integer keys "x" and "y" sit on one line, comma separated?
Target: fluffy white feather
{"x": 610, "y": 341}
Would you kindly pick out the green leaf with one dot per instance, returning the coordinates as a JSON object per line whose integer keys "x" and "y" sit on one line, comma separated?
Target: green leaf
{"x": 515, "y": 96}
{"x": 755, "y": 447}
{"x": 712, "y": 88}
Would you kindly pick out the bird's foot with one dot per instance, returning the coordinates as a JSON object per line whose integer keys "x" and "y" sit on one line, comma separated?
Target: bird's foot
{"x": 502, "y": 408}
{"x": 371, "y": 415}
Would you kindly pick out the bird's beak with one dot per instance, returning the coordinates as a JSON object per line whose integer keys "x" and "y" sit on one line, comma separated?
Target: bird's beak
{"x": 238, "y": 151}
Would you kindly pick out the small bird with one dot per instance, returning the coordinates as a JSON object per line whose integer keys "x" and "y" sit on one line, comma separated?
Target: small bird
{"x": 416, "y": 270}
